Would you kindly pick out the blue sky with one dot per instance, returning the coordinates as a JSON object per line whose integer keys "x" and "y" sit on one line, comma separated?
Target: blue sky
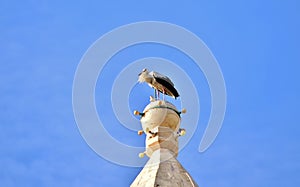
{"x": 255, "y": 42}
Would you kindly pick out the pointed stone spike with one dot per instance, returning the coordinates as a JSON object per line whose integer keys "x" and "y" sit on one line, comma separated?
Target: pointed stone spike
{"x": 141, "y": 155}
{"x": 182, "y": 132}
{"x": 136, "y": 112}
{"x": 152, "y": 99}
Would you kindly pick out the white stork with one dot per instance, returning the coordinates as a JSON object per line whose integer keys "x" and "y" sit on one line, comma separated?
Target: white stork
{"x": 159, "y": 82}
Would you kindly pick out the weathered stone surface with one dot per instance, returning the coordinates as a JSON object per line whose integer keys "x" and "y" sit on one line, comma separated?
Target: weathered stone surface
{"x": 163, "y": 170}
{"x": 165, "y": 138}
{"x": 160, "y": 113}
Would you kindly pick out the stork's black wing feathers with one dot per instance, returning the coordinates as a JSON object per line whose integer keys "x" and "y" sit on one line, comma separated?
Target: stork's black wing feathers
{"x": 167, "y": 85}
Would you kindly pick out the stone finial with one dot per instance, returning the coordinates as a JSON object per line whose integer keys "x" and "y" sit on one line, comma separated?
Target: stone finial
{"x": 161, "y": 123}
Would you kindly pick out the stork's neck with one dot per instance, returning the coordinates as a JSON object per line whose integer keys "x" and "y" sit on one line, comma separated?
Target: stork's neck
{"x": 148, "y": 79}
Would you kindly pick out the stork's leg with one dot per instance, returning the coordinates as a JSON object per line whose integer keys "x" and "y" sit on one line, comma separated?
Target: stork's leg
{"x": 163, "y": 93}
{"x": 155, "y": 96}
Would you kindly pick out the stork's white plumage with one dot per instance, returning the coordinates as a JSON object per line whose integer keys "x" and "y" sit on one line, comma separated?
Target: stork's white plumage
{"x": 159, "y": 82}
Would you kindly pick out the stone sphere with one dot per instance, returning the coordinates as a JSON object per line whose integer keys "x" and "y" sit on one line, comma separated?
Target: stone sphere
{"x": 160, "y": 113}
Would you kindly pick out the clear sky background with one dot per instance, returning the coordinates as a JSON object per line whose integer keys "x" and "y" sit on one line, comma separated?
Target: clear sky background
{"x": 255, "y": 42}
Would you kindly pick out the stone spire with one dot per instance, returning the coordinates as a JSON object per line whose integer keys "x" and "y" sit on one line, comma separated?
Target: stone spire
{"x": 160, "y": 122}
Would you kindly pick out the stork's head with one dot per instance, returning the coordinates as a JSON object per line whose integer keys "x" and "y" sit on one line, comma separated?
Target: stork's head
{"x": 144, "y": 76}
{"x": 144, "y": 70}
